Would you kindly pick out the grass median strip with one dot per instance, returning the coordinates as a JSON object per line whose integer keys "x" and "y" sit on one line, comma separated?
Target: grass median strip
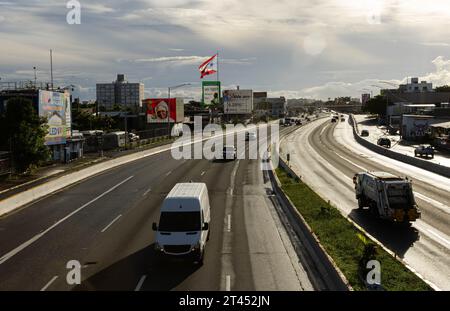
{"x": 347, "y": 245}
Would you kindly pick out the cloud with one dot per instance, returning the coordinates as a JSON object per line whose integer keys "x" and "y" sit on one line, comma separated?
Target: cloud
{"x": 301, "y": 47}
{"x": 441, "y": 76}
{"x": 442, "y": 44}
{"x": 183, "y": 60}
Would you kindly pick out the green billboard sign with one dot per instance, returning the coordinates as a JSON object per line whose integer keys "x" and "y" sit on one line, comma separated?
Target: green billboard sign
{"x": 210, "y": 93}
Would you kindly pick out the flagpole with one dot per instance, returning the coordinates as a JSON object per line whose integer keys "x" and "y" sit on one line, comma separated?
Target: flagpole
{"x": 217, "y": 65}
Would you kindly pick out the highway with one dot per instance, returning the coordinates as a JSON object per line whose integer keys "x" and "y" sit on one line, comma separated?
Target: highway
{"x": 105, "y": 223}
{"x": 327, "y": 156}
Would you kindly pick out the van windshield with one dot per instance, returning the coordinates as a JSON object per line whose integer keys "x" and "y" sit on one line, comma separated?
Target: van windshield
{"x": 179, "y": 221}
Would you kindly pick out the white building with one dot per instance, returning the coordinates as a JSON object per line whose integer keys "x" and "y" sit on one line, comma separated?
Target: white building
{"x": 415, "y": 86}
{"x": 121, "y": 92}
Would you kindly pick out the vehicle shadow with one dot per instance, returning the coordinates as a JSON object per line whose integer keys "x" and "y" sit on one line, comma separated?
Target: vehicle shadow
{"x": 124, "y": 275}
{"x": 372, "y": 121}
{"x": 397, "y": 238}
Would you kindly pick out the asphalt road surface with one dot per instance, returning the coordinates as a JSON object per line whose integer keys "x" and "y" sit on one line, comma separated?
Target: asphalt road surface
{"x": 327, "y": 156}
{"x": 105, "y": 223}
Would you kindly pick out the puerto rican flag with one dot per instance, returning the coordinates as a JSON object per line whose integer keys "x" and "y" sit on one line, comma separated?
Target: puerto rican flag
{"x": 209, "y": 67}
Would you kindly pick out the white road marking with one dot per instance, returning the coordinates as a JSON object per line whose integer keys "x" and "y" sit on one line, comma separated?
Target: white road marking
{"x": 146, "y": 192}
{"x": 228, "y": 283}
{"x": 437, "y": 204}
{"x": 140, "y": 283}
{"x": 168, "y": 173}
{"x": 21, "y": 247}
{"x": 438, "y": 236}
{"x": 49, "y": 283}
{"x": 229, "y": 223}
{"x": 110, "y": 224}
{"x": 323, "y": 129}
{"x": 203, "y": 173}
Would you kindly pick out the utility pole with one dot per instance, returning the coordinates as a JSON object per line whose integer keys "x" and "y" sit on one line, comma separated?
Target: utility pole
{"x": 35, "y": 76}
{"x": 51, "y": 69}
{"x": 126, "y": 130}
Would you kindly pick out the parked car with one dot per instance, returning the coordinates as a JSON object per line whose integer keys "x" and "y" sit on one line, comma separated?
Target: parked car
{"x": 333, "y": 120}
{"x": 183, "y": 227}
{"x": 424, "y": 150}
{"x": 364, "y": 133}
{"x": 298, "y": 122}
{"x": 133, "y": 137}
{"x": 385, "y": 142}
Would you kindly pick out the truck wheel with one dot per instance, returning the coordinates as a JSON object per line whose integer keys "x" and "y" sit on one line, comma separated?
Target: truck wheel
{"x": 200, "y": 257}
{"x": 373, "y": 209}
{"x": 415, "y": 154}
{"x": 360, "y": 204}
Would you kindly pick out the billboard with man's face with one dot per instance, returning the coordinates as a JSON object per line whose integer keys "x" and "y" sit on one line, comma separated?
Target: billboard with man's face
{"x": 55, "y": 108}
{"x": 158, "y": 110}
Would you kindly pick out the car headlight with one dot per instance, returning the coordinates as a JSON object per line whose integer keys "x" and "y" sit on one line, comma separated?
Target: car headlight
{"x": 196, "y": 247}
{"x": 158, "y": 247}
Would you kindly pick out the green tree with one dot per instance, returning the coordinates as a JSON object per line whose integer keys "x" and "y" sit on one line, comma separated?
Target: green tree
{"x": 376, "y": 105}
{"x": 443, "y": 88}
{"x": 117, "y": 107}
{"x": 25, "y": 131}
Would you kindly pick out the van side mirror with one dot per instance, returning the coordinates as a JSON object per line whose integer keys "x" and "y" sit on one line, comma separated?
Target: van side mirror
{"x": 154, "y": 227}
{"x": 205, "y": 226}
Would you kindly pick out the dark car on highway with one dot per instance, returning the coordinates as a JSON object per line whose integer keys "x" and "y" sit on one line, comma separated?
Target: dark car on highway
{"x": 424, "y": 151}
{"x": 364, "y": 133}
{"x": 385, "y": 142}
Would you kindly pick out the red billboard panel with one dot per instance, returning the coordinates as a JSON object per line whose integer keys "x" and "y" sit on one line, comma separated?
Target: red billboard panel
{"x": 158, "y": 110}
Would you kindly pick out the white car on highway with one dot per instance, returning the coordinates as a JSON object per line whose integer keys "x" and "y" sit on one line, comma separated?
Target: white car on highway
{"x": 250, "y": 136}
{"x": 229, "y": 152}
{"x": 183, "y": 228}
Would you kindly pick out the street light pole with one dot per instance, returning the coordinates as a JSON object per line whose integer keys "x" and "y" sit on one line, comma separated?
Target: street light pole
{"x": 168, "y": 104}
{"x": 35, "y": 76}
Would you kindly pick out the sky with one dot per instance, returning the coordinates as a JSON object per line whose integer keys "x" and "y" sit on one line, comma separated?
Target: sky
{"x": 294, "y": 48}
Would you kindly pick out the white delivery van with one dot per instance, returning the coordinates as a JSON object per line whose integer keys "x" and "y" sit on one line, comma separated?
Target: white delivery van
{"x": 183, "y": 227}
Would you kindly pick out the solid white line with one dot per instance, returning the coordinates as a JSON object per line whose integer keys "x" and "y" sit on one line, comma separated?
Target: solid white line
{"x": 228, "y": 283}
{"x": 140, "y": 283}
{"x": 40, "y": 235}
{"x": 431, "y": 201}
{"x": 49, "y": 283}
{"x": 168, "y": 173}
{"x": 323, "y": 129}
{"x": 146, "y": 192}
{"x": 110, "y": 224}
{"x": 438, "y": 236}
{"x": 229, "y": 223}
{"x": 203, "y": 173}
